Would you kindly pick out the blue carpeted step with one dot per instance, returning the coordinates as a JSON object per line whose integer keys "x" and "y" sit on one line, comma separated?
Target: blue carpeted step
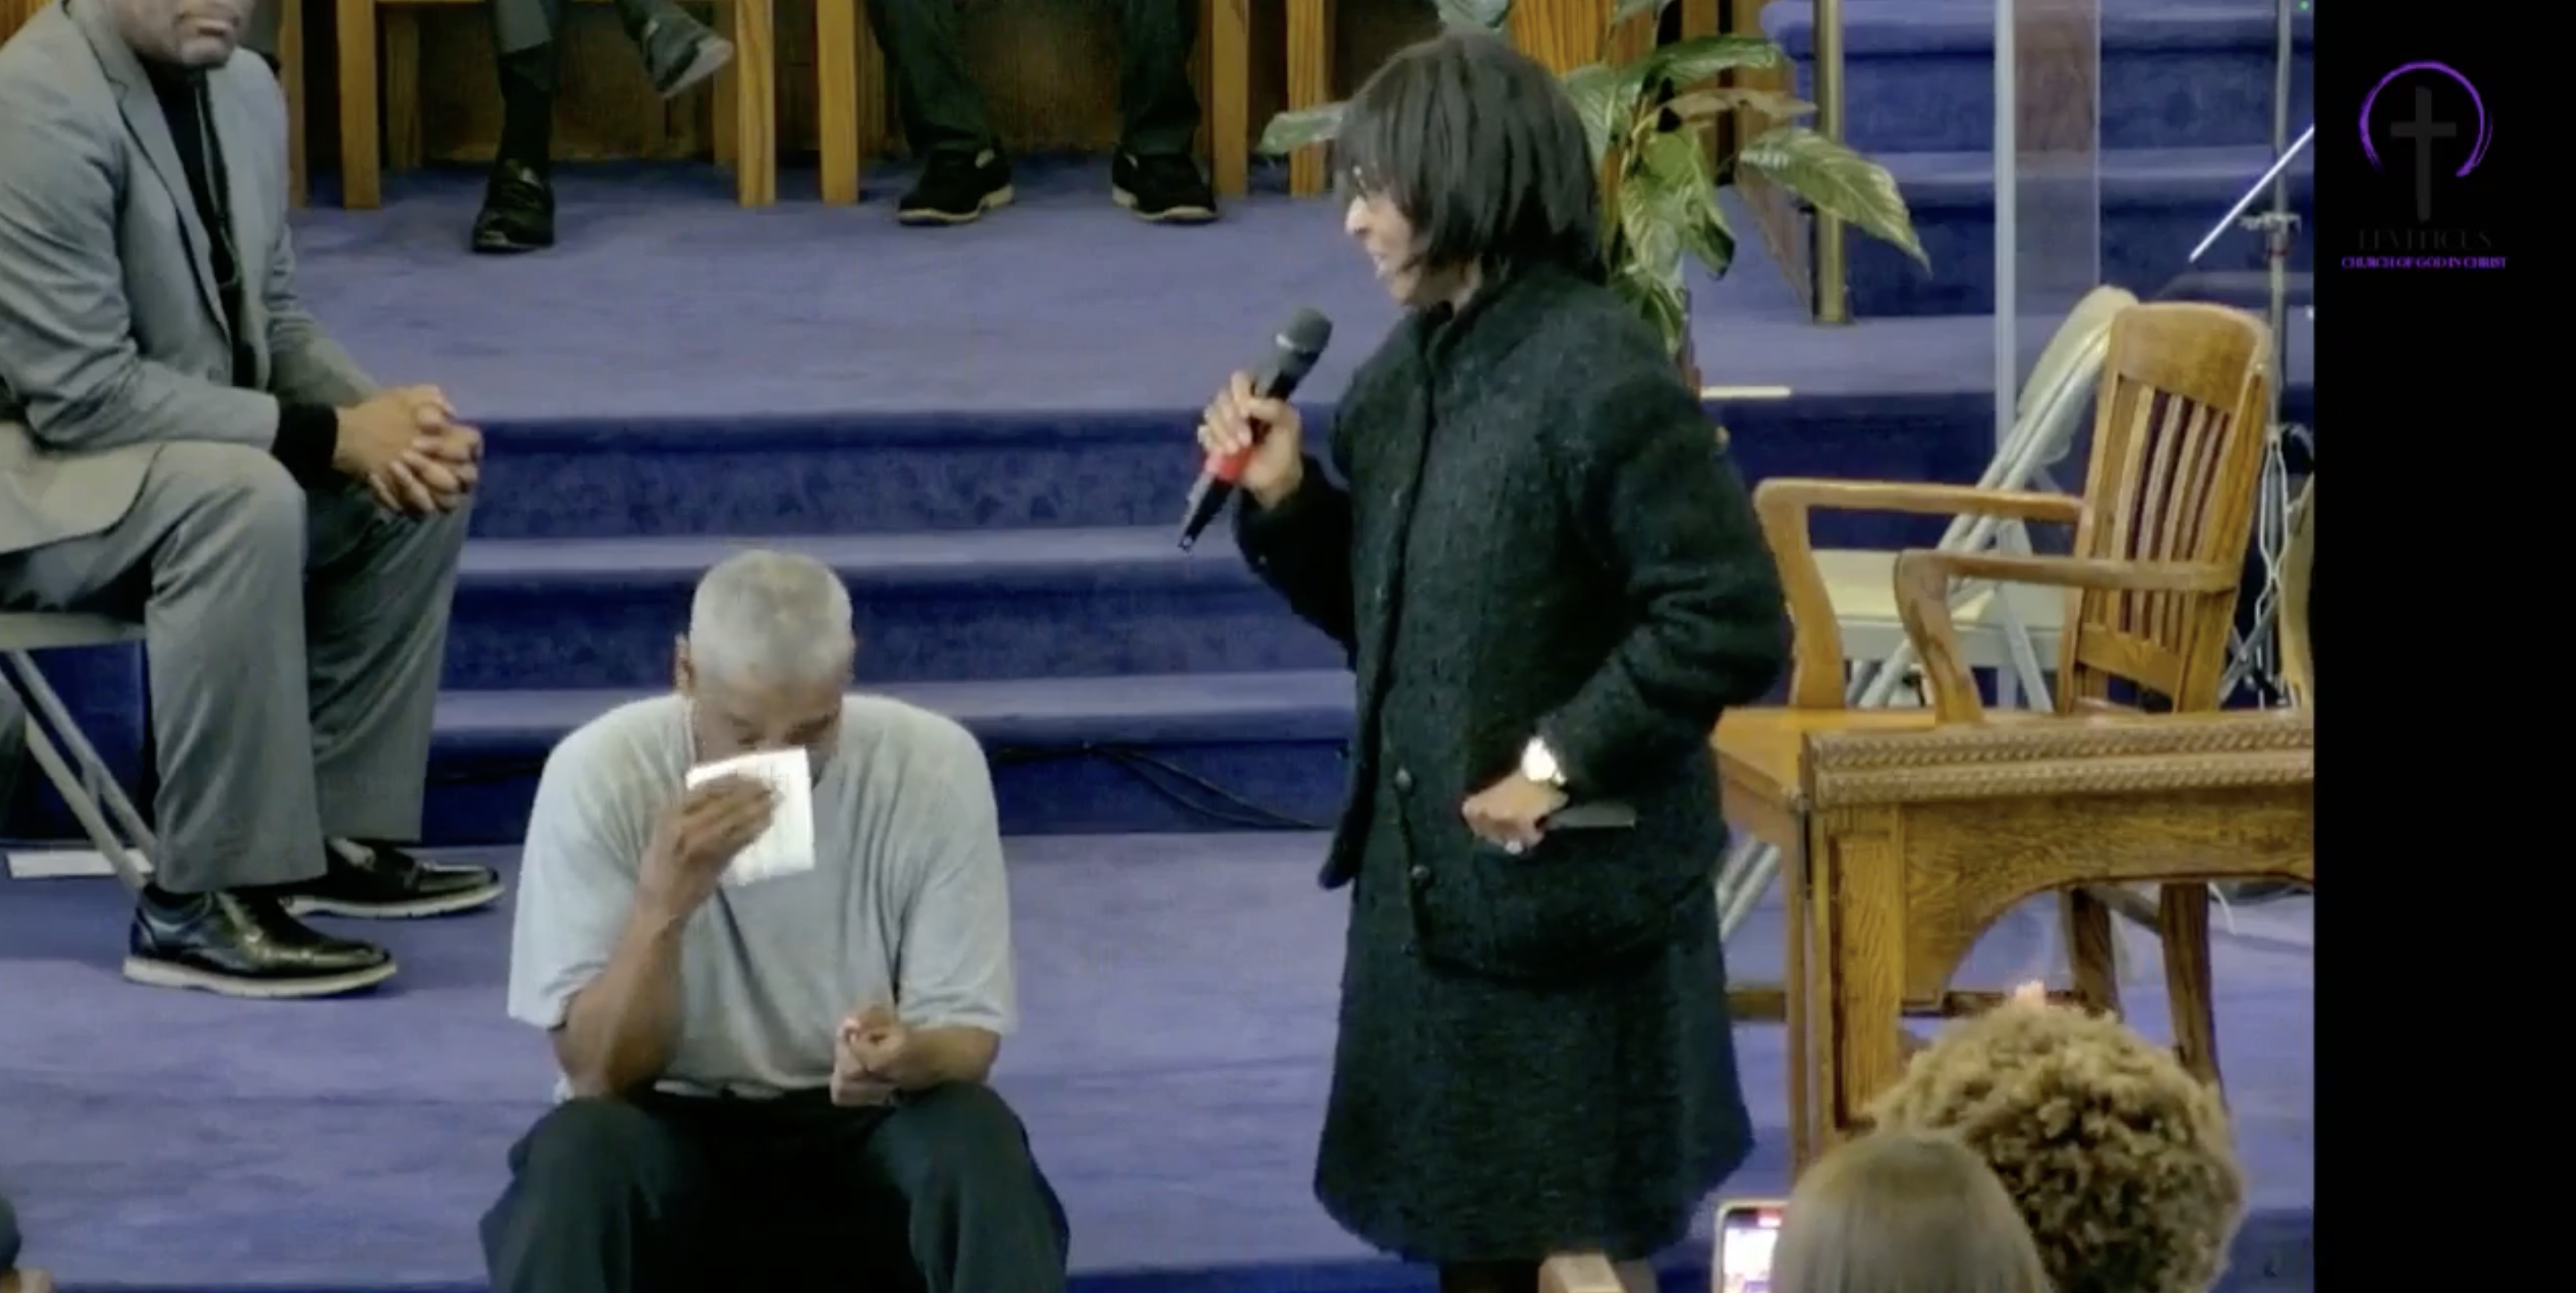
{"x": 835, "y": 473}
{"x": 2185, "y": 115}
{"x": 2246, "y": 289}
{"x": 2156, "y": 206}
{"x": 863, "y": 472}
{"x": 973, "y": 604}
{"x": 1138, "y": 754}
{"x": 1919, "y": 75}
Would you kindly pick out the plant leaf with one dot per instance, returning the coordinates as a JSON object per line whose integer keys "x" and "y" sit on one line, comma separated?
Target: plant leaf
{"x": 1650, "y": 240}
{"x": 1606, "y": 98}
{"x": 1632, "y": 8}
{"x": 1686, "y": 63}
{"x": 1675, "y": 189}
{"x": 1661, "y": 304}
{"x": 1290, "y": 131}
{"x": 1483, "y": 15}
{"x": 1837, "y": 181}
{"x": 1718, "y": 101}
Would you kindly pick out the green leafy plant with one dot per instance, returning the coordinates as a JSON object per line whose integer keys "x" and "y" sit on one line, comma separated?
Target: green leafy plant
{"x": 1648, "y": 120}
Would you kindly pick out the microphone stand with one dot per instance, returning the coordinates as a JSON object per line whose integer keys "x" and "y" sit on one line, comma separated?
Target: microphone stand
{"x": 2253, "y": 657}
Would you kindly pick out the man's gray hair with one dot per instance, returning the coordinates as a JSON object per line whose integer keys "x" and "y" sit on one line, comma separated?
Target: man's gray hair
{"x": 774, "y": 616}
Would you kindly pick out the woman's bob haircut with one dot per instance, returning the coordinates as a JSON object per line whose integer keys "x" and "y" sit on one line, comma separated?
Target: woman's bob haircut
{"x": 1482, "y": 151}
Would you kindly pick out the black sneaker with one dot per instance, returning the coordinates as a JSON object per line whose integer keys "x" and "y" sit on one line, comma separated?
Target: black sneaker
{"x": 381, "y": 882}
{"x": 680, "y": 51}
{"x": 243, "y": 944}
{"x": 1166, "y": 189}
{"x": 518, "y": 211}
{"x": 955, "y": 188}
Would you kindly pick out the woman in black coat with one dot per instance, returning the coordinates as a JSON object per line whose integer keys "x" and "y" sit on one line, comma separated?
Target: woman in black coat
{"x": 1550, "y": 583}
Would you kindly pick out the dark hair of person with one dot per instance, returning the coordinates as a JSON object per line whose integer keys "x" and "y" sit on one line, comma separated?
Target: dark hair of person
{"x": 1481, "y": 149}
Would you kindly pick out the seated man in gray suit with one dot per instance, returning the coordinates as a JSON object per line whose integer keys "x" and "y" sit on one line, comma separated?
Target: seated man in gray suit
{"x": 778, "y": 1083}
{"x": 180, "y": 443}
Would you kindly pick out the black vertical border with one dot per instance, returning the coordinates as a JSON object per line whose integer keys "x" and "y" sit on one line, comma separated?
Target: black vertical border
{"x": 2439, "y": 578}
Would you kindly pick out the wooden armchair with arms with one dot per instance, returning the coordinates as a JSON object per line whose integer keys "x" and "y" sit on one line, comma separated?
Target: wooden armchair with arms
{"x": 2159, "y": 545}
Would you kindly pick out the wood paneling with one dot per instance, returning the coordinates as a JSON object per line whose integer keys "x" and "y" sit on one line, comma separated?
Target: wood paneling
{"x": 14, "y": 14}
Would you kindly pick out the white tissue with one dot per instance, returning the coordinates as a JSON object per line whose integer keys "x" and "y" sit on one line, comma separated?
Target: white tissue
{"x": 787, "y": 847}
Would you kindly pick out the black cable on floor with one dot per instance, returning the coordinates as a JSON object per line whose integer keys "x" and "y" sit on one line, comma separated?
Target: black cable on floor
{"x": 1194, "y": 793}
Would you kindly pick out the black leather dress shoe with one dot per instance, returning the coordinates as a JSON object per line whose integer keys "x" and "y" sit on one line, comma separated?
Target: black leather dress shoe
{"x": 381, "y": 882}
{"x": 243, "y": 944}
{"x": 518, "y": 211}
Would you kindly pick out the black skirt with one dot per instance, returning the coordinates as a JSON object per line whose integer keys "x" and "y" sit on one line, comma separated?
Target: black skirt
{"x": 1476, "y": 1120}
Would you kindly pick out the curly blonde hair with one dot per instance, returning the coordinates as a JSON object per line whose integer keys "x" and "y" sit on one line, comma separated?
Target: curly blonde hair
{"x": 2119, "y": 1159}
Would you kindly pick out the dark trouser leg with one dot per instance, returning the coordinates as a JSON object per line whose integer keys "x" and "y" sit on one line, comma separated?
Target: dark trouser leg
{"x": 211, "y": 555}
{"x": 377, "y": 592}
{"x": 942, "y": 109}
{"x": 982, "y": 1217}
{"x": 1159, "y": 110}
{"x": 603, "y": 1198}
{"x": 10, "y": 1243}
{"x": 1489, "y": 1277}
{"x": 523, "y": 33}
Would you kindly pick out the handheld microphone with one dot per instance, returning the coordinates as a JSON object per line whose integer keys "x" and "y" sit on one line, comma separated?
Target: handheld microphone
{"x": 1295, "y": 351}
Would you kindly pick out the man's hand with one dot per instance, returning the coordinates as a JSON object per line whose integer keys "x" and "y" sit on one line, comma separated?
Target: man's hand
{"x": 871, "y": 1044}
{"x": 380, "y": 444}
{"x": 1511, "y": 814}
{"x": 448, "y": 463}
{"x": 696, "y": 838}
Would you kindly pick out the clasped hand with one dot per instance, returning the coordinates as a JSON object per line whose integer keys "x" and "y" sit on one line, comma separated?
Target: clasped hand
{"x": 866, "y": 1055}
{"x": 409, "y": 450}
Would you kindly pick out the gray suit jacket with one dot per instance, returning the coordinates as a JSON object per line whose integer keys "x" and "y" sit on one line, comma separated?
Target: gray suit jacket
{"x": 112, "y": 333}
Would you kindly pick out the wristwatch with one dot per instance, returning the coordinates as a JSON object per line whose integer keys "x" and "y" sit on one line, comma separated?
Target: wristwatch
{"x": 1538, "y": 763}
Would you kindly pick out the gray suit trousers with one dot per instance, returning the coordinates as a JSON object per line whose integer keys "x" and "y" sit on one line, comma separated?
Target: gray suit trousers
{"x": 294, "y": 639}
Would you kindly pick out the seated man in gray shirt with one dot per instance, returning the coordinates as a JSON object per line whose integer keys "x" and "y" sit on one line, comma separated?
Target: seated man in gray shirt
{"x": 777, "y": 1084}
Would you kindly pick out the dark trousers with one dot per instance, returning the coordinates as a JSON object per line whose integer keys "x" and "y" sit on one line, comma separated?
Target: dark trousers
{"x": 10, "y": 1245}
{"x": 522, "y": 25}
{"x": 683, "y": 1194}
{"x": 943, "y": 111}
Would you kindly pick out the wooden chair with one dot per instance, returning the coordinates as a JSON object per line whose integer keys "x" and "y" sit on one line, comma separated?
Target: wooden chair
{"x": 1579, "y": 1273}
{"x": 1918, "y": 841}
{"x": 747, "y": 90}
{"x": 2160, "y": 538}
{"x": 15, "y": 14}
{"x": 1310, "y": 85}
{"x": 290, "y": 78}
{"x": 851, "y": 90}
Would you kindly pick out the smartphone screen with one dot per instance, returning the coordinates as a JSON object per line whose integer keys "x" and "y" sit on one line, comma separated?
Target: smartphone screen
{"x": 1746, "y": 1233}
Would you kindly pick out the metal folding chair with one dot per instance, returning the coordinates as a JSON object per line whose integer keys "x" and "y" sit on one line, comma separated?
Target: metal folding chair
{"x": 69, "y": 761}
{"x": 2010, "y": 630}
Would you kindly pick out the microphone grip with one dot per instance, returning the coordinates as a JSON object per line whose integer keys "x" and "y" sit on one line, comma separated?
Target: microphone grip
{"x": 1215, "y": 488}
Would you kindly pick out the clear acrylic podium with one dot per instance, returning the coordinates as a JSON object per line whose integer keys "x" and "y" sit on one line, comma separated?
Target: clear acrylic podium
{"x": 2048, "y": 180}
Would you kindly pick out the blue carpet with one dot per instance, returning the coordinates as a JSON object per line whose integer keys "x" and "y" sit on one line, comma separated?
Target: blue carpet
{"x": 996, "y": 470}
{"x": 2185, "y": 113}
{"x": 1178, "y": 995}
